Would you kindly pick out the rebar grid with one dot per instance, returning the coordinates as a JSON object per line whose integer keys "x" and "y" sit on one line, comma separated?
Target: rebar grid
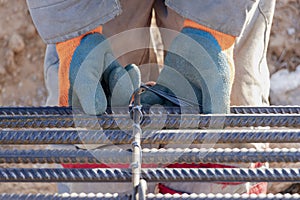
{"x": 148, "y": 137}
{"x": 171, "y": 118}
{"x": 183, "y": 121}
{"x": 151, "y": 156}
{"x": 151, "y": 175}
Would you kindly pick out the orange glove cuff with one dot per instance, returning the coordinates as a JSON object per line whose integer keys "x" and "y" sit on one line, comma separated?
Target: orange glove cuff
{"x": 224, "y": 40}
{"x": 65, "y": 51}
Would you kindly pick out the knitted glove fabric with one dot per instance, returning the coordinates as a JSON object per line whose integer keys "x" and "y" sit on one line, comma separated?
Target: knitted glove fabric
{"x": 198, "y": 68}
{"x": 90, "y": 62}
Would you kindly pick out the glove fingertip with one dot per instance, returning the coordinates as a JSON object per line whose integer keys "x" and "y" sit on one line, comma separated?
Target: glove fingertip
{"x": 96, "y": 109}
{"x": 94, "y": 103}
{"x": 135, "y": 75}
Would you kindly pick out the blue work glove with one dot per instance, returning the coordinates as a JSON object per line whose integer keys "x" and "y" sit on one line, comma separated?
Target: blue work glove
{"x": 97, "y": 80}
{"x": 196, "y": 72}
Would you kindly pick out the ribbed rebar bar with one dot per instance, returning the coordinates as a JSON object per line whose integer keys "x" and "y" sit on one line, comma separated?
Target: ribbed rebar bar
{"x": 72, "y": 196}
{"x": 151, "y": 175}
{"x": 136, "y": 156}
{"x": 27, "y": 111}
{"x": 265, "y": 110}
{"x": 152, "y": 121}
{"x": 149, "y": 136}
{"x": 149, "y": 196}
{"x": 169, "y": 110}
{"x": 150, "y": 156}
{"x": 222, "y": 196}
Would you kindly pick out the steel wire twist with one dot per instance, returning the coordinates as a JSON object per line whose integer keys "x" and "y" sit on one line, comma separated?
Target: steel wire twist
{"x": 151, "y": 121}
{"x": 150, "y": 156}
{"x": 169, "y": 110}
{"x": 100, "y": 196}
{"x": 148, "y": 137}
{"x": 151, "y": 175}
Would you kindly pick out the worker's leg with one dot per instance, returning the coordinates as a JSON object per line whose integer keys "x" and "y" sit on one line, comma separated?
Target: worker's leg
{"x": 252, "y": 84}
{"x": 51, "y": 64}
{"x": 136, "y": 14}
{"x": 168, "y": 19}
{"x": 255, "y": 87}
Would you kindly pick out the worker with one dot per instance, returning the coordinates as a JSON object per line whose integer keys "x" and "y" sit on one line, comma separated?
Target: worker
{"x": 215, "y": 56}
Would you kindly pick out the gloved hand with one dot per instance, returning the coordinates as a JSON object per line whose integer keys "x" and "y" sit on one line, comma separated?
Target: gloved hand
{"x": 120, "y": 81}
{"x": 96, "y": 79}
{"x": 198, "y": 70}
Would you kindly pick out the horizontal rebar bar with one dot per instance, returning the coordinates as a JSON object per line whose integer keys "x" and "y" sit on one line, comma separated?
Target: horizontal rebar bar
{"x": 182, "y": 121}
{"x": 265, "y": 110}
{"x": 151, "y": 175}
{"x": 107, "y": 196}
{"x": 151, "y": 156}
{"x": 222, "y": 196}
{"x": 148, "y": 137}
{"x": 72, "y": 196}
{"x": 169, "y": 110}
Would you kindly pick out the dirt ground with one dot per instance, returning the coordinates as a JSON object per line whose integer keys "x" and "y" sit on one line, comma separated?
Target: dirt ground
{"x": 22, "y": 54}
{"x": 284, "y": 46}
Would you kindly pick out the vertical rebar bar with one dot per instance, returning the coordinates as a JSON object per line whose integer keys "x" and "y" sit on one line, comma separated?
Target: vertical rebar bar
{"x": 136, "y": 146}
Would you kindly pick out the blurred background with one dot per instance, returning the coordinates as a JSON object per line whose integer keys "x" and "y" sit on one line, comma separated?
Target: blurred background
{"x": 22, "y": 54}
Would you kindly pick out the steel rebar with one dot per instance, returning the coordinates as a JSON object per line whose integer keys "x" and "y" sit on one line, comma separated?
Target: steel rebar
{"x": 152, "y": 121}
{"x": 151, "y": 175}
{"x": 100, "y": 196}
{"x": 169, "y": 110}
{"x": 65, "y": 196}
{"x": 150, "y": 156}
{"x": 136, "y": 156}
{"x": 148, "y": 137}
{"x": 222, "y": 196}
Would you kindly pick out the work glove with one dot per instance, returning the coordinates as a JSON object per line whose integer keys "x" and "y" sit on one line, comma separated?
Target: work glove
{"x": 95, "y": 79}
{"x": 198, "y": 72}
